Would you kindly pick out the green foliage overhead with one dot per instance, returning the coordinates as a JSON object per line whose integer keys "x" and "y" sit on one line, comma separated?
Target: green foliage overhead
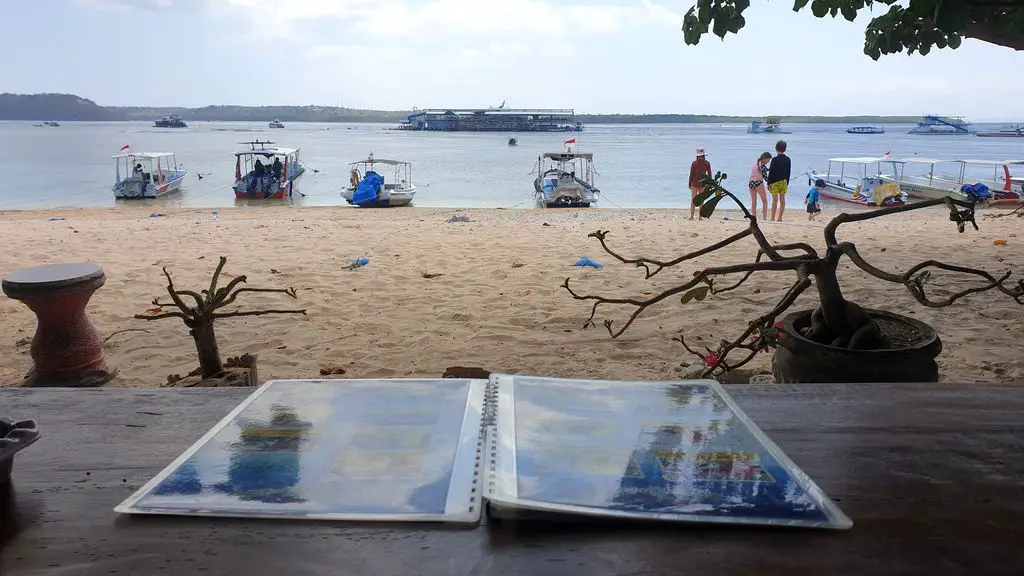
{"x": 914, "y": 25}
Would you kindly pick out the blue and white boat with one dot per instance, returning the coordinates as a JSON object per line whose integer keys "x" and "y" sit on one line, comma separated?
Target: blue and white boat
{"x": 371, "y": 189}
{"x": 265, "y": 172}
{"x": 936, "y": 125}
{"x": 146, "y": 174}
{"x": 865, "y": 130}
{"x": 770, "y": 125}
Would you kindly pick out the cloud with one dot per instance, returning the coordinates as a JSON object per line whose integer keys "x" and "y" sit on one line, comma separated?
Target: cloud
{"x": 137, "y": 4}
{"x": 462, "y": 17}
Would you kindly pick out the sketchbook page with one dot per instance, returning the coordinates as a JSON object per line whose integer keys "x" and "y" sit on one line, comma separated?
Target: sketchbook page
{"x": 397, "y": 450}
{"x": 681, "y": 451}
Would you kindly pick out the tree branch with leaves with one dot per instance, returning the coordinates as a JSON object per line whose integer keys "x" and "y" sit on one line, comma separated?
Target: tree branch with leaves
{"x": 914, "y": 25}
{"x": 835, "y": 322}
{"x": 209, "y": 306}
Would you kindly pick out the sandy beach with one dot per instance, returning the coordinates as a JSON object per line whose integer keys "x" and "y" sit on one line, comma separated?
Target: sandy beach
{"x": 482, "y": 293}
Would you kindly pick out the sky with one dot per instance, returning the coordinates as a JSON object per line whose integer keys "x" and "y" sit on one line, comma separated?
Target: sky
{"x": 595, "y": 56}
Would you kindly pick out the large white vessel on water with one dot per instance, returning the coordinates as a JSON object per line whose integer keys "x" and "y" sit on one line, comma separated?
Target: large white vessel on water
{"x": 935, "y": 125}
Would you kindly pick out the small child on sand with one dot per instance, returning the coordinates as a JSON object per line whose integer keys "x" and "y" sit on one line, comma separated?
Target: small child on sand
{"x": 813, "y": 199}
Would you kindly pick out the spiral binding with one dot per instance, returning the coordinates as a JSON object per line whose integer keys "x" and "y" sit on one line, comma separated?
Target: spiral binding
{"x": 489, "y": 432}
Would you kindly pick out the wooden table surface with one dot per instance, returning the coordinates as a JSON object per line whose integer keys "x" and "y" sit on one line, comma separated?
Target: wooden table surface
{"x": 932, "y": 476}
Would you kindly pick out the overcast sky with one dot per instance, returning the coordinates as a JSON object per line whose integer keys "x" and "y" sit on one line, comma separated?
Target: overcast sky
{"x": 596, "y": 56}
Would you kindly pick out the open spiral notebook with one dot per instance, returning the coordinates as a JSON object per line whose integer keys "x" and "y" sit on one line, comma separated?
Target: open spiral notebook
{"x": 438, "y": 450}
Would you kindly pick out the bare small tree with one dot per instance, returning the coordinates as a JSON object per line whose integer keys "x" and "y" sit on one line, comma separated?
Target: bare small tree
{"x": 836, "y": 321}
{"x": 208, "y": 303}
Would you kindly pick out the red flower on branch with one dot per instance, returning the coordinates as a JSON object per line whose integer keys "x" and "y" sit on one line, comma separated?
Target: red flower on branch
{"x": 711, "y": 360}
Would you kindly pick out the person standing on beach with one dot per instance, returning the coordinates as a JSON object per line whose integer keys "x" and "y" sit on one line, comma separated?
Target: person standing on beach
{"x": 758, "y": 174}
{"x": 778, "y": 180}
{"x": 698, "y": 169}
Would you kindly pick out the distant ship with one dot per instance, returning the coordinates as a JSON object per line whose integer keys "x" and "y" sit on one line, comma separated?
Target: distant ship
{"x": 1016, "y": 131}
{"x": 771, "y": 125}
{"x": 500, "y": 119}
{"x": 933, "y": 124}
{"x": 172, "y": 121}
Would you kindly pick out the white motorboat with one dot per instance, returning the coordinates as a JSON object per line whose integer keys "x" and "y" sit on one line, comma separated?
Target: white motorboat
{"x": 858, "y": 181}
{"x": 146, "y": 174}
{"x": 371, "y": 189}
{"x": 565, "y": 179}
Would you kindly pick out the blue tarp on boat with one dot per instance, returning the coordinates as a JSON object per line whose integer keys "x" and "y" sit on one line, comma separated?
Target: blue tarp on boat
{"x": 366, "y": 191}
{"x": 976, "y": 191}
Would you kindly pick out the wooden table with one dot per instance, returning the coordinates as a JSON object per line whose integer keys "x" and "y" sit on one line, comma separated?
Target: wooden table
{"x": 932, "y": 476}
{"x": 66, "y": 350}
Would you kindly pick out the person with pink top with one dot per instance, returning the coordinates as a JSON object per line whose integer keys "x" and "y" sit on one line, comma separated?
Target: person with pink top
{"x": 758, "y": 174}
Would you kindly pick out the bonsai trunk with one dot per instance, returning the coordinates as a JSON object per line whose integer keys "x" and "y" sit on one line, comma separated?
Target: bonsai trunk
{"x": 838, "y": 322}
{"x": 206, "y": 345}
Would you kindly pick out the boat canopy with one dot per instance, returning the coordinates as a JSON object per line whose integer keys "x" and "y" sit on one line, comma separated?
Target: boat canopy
{"x": 143, "y": 155}
{"x": 381, "y": 161}
{"x": 268, "y": 152}
{"x": 860, "y": 160}
{"x": 921, "y": 160}
{"x": 992, "y": 162}
{"x": 566, "y": 156}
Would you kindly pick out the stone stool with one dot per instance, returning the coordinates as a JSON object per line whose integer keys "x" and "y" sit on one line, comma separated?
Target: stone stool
{"x": 66, "y": 349}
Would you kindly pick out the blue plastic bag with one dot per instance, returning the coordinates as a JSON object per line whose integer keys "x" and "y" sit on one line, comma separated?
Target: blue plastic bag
{"x": 587, "y": 262}
{"x": 358, "y": 263}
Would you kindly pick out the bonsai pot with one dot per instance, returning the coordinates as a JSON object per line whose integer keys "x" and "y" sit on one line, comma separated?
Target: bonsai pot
{"x": 912, "y": 359}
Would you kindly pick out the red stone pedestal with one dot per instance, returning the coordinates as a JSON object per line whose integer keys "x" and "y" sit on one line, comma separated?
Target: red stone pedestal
{"x": 66, "y": 349}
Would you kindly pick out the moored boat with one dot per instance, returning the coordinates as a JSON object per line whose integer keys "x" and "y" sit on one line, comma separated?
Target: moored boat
{"x": 865, "y": 130}
{"x": 146, "y": 174}
{"x": 370, "y": 189}
{"x": 275, "y": 123}
{"x": 1015, "y": 131}
{"x": 858, "y": 181}
{"x": 1002, "y": 186}
{"x": 172, "y": 121}
{"x": 565, "y": 179}
{"x": 266, "y": 172}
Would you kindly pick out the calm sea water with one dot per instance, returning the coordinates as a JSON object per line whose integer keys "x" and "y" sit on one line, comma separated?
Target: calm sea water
{"x": 638, "y": 165}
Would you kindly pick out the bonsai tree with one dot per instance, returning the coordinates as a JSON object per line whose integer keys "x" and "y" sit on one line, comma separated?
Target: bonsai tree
{"x": 835, "y": 322}
{"x": 208, "y": 307}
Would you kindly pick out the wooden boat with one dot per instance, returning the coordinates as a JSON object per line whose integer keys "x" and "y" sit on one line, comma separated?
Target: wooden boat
{"x": 266, "y": 172}
{"x": 370, "y": 189}
{"x": 858, "y": 181}
{"x": 565, "y": 179}
{"x": 146, "y": 174}
{"x": 1004, "y": 187}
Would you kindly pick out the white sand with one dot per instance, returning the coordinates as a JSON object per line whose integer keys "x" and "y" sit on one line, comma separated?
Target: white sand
{"x": 387, "y": 320}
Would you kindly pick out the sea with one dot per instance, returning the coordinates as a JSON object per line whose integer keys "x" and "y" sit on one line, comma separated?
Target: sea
{"x": 638, "y": 166}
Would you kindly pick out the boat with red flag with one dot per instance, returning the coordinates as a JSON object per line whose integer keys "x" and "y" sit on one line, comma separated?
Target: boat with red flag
{"x": 266, "y": 171}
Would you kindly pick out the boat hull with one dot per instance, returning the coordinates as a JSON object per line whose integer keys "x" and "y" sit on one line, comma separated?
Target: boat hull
{"x": 282, "y": 191}
{"x": 841, "y": 192}
{"x": 937, "y": 192}
{"x": 390, "y": 198}
{"x": 126, "y": 191}
{"x": 999, "y": 134}
{"x": 575, "y": 195}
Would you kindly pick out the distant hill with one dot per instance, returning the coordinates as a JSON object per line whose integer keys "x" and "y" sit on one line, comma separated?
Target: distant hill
{"x": 43, "y": 107}
{"x": 69, "y": 107}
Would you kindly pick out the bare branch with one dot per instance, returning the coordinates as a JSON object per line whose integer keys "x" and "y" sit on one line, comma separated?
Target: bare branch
{"x": 216, "y": 276}
{"x": 116, "y": 332}
{"x": 174, "y": 294}
{"x": 646, "y": 263}
{"x": 698, "y": 277}
{"x": 289, "y": 291}
{"x": 912, "y": 280}
{"x": 161, "y": 316}
{"x": 256, "y": 313}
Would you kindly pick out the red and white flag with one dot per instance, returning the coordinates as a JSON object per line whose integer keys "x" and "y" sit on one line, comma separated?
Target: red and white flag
{"x": 570, "y": 141}
{"x": 125, "y": 147}
{"x": 887, "y": 154}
